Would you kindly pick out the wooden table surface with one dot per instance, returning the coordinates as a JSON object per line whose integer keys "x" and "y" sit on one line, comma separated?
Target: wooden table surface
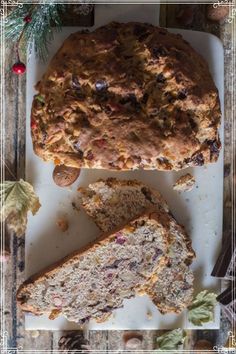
{"x": 15, "y": 167}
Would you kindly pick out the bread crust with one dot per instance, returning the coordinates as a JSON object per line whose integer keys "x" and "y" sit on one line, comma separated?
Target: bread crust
{"x": 120, "y": 98}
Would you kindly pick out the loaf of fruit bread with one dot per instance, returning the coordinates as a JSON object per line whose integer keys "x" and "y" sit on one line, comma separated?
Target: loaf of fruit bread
{"x": 126, "y": 96}
{"x": 94, "y": 281}
{"x": 112, "y": 202}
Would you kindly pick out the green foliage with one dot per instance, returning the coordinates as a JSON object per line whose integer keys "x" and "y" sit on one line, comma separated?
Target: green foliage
{"x": 38, "y": 32}
{"x": 202, "y": 308}
{"x": 171, "y": 340}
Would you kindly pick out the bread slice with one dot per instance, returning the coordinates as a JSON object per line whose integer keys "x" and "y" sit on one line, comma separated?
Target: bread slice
{"x": 95, "y": 280}
{"x": 112, "y": 202}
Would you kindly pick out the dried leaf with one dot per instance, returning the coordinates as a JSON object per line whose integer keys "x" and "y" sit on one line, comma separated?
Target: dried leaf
{"x": 202, "y": 308}
{"x": 17, "y": 198}
{"x": 171, "y": 340}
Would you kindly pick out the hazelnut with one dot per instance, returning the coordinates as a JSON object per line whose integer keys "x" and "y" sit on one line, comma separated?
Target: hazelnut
{"x": 64, "y": 176}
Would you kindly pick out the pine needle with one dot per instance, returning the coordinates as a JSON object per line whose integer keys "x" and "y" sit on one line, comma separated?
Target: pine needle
{"x": 38, "y": 32}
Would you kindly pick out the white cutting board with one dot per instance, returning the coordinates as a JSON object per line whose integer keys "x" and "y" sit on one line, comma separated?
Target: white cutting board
{"x": 200, "y": 210}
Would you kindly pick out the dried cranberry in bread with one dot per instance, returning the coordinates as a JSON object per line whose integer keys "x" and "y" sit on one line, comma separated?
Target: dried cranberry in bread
{"x": 94, "y": 281}
{"x": 127, "y": 96}
{"x": 111, "y": 202}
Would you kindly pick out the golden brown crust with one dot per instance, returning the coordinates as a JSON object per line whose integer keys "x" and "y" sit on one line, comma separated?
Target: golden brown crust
{"x": 126, "y": 96}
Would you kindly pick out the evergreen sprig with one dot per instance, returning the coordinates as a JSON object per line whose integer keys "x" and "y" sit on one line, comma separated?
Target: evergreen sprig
{"x": 38, "y": 32}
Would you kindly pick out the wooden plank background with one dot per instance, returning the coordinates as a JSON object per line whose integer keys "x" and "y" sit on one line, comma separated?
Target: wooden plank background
{"x": 15, "y": 167}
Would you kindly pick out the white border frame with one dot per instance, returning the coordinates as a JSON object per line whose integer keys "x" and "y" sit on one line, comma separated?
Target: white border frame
{"x": 231, "y": 19}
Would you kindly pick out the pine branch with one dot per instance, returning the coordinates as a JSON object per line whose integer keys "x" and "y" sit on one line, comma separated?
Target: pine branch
{"x": 38, "y": 32}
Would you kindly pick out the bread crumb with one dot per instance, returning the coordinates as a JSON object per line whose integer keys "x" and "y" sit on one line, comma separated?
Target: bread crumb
{"x": 184, "y": 183}
{"x": 62, "y": 224}
{"x": 149, "y": 314}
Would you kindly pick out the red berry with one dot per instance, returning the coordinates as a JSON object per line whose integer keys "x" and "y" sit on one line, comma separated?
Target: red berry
{"x": 100, "y": 143}
{"x": 33, "y": 124}
{"x": 27, "y": 19}
{"x": 89, "y": 155}
{"x": 19, "y": 68}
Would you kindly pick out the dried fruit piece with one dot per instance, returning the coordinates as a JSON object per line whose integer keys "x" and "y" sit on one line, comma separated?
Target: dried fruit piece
{"x": 99, "y": 142}
{"x": 215, "y": 146}
{"x": 182, "y": 94}
{"x": 101, "y": 85}
{"x": 40, "y": 98}
{"x": 198, "y": 159}
{"x": 159, "y": 52}
{"x": 120, "y": 239}
{"x": 54, "y": 314}
{"x": 75, "y": 83}
{"x": 160, "y": 78}
{"x": 90, "y": 155}
{"x": 145, "y": 98}
{"x": 64, "y": 176}
{"x": 33, "y": 124}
